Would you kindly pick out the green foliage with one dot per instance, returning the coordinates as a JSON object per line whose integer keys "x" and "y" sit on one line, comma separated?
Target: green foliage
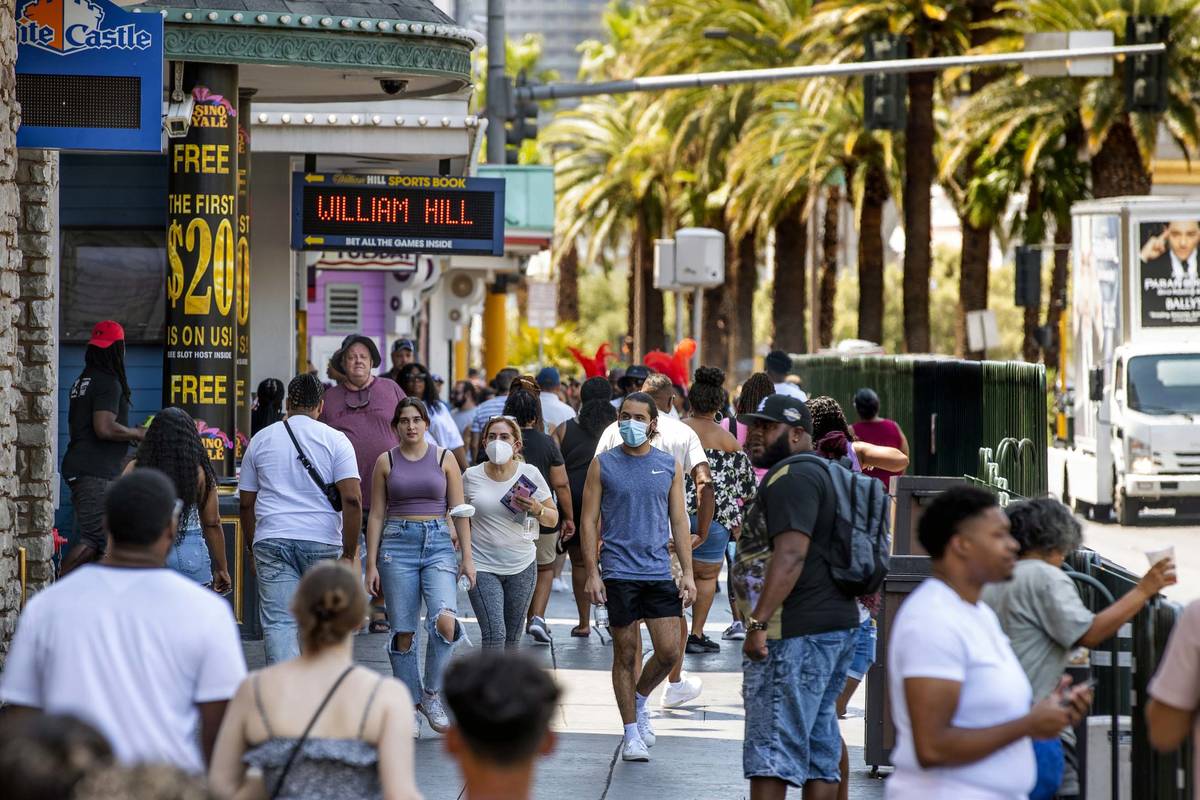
{"x": 603, "y": 296}
{"x": 523, "y": 348}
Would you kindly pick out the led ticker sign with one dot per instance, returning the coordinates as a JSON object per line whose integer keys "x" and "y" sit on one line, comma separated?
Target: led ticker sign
{"x": 398, "y": 213}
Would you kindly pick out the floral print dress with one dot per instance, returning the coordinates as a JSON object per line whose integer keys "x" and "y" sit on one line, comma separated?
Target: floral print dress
{"x": 734, "y": 486}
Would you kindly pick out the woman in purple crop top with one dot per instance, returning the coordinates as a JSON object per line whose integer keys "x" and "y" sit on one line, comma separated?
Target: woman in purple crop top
{"x": 411, "y": 555}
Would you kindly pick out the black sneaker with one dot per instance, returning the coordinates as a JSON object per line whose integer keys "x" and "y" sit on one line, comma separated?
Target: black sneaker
{"x": 699, "y": 645}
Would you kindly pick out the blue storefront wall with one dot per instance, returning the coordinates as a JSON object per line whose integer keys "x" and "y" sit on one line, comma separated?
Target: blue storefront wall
{"x": 110, "y": 192}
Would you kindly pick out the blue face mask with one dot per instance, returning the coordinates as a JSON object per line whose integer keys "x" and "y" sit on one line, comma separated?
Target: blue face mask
{"x": 633, "y": 433}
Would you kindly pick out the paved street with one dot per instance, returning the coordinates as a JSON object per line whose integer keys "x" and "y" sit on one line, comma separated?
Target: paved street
{"x": 1127, "y": 546}
{"x": 698, "y": 754}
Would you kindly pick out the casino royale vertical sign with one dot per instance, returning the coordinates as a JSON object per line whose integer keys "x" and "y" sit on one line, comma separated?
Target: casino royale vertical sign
{"x": 241, "y": 290}
{"x": 202, "y": 224}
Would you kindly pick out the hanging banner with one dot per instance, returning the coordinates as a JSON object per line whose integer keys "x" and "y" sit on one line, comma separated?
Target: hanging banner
{"x": 241, "y": 287}
{"x": 199, "y": 370}
{"x": 1170, "y": 274}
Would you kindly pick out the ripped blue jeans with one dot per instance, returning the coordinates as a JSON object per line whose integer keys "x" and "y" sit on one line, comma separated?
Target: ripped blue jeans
{"x": 417, "y": 562}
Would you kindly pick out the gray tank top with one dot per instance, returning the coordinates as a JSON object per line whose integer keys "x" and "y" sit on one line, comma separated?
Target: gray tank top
{"x": 635, "y": 515}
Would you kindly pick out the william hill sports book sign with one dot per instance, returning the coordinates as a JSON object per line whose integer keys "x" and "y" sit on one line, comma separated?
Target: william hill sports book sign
{"x": 398, "y": 213}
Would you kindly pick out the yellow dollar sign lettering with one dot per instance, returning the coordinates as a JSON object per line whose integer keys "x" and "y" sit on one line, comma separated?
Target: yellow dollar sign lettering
{"x": 175, "y": 264}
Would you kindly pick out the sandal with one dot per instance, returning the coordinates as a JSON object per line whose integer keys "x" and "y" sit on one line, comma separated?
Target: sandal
{"x": 581, "y": 631}
{"x": 379, "y": 625}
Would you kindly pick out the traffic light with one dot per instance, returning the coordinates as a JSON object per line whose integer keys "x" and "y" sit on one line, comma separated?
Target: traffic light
{"x": 885, "y": 93}
{"x": 522, "y": 120}
{"x": 1029, "y": 277}
{"x": 1146, "y": 73}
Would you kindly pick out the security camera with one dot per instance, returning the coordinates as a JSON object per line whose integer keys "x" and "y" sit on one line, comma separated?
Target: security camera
{"x": 178, "y": 117}
{"x": 393, "y": 86}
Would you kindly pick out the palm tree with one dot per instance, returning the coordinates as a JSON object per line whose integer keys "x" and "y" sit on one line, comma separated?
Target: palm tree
{"x": 838, "y": 30}
{"x": 1121, "y": 144}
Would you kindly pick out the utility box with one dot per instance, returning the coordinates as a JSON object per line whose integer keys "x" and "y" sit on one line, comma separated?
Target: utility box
{"x": 1099, "y": 757}
{"x": 664, "y": 265}
{"x": 699, "y": 257}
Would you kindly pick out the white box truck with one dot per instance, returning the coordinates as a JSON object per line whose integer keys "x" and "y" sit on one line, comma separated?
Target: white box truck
{"x": 1128, "y": 434}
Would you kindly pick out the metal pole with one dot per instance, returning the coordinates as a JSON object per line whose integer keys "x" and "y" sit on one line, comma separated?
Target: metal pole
{"x": 814, "y": 299}
{"x": 698, "y": 321}
{"x": 700, "y": 80}
{"x": 541, "y": 346}
{"x": 497, "y": 89}
{"x": 678, "y": 316}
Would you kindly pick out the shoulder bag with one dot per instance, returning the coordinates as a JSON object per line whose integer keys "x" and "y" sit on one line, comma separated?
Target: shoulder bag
{"x": 330, "y": 490}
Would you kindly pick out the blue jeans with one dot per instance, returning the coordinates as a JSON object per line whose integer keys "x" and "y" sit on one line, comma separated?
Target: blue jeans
{"x": 189, "y": 557}
{"x": 864, "y": 649}
{"x": 790, "y": 698}
{"x": 417, "y": 562}
{"x": 280, "y": 563}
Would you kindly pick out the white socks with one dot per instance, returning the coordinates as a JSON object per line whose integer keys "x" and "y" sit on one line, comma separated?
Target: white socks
{"x": 631, "y": 732}
{"x": 640, "y": 700}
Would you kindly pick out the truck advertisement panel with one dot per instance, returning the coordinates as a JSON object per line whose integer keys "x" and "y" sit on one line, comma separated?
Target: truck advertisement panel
{"x": 1170, "y": 284}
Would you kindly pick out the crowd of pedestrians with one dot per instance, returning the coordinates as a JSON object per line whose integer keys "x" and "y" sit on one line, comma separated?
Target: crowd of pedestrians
{"x": 376, "y": 487}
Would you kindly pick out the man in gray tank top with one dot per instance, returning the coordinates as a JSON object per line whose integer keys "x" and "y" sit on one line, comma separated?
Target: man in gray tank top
{"x": 633, "y": 501}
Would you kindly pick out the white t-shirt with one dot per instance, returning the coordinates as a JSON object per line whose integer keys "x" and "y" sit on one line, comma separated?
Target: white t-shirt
{"x": 498, "y": 542}
{"x": 554, "y": 411}
{"x": 289, "y": 504}
{"x": 791, "y": 390}
{"x": 673, "y": 437}
{"x": 131, "y": 651}
{"x": 446, "y": 433}
{"x": 937, "y": 634}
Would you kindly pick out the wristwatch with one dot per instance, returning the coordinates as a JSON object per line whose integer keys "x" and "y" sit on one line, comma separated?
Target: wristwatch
{"x": 753, "y": 625}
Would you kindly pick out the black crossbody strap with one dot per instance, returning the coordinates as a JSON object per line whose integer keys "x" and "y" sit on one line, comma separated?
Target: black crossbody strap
{"x": 307, "y": 730}
{"x": 312, "y": 471}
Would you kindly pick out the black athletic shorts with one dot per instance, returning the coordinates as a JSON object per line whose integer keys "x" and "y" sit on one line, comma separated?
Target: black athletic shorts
{"x": 630, "y": 601}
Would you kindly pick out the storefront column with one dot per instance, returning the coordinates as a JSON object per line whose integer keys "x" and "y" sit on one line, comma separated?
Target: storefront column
{"x": 495, "y": 328}
{"x": 199, "y": 369}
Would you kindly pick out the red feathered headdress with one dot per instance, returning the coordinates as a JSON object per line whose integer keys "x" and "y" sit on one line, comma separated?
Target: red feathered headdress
{"x": 674, "y": 366}
{"x": 593, "y": 367}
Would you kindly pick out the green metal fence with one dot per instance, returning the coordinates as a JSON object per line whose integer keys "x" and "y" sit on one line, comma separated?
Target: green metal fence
{"x": 949, "y": 409}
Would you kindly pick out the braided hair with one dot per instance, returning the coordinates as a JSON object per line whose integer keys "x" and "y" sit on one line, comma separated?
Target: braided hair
{"x": 172, "y": 446}
{"x": 110, "y": 359}
{"x": 758, "y": 387}
{"x": 305, "y": 392}
{"x": 268, "y": 405}
{"x": 831, "y": 433}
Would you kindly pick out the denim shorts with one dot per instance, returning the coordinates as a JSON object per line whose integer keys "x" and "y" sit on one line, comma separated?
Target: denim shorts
{"x": 189, "y": 557}
{"x": 712, "y": 551}
{"x": 864, "y": 650}
{"x": 790, "y": 698}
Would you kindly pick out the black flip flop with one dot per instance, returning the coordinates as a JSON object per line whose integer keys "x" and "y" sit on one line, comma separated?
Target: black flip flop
{"x": 575, "y": 632}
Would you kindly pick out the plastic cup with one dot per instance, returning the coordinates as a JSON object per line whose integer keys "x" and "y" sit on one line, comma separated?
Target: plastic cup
{"x": 1156, "y": 556}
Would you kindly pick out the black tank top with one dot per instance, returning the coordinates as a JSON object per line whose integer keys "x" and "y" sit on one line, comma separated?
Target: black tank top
{"x": 578, "y": 449}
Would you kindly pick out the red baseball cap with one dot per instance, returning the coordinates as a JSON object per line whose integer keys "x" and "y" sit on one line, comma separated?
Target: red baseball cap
{"x": 106, "y": 333}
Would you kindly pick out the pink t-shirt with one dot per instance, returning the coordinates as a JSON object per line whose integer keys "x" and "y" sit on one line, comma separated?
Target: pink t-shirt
{"x": 1177, "y": 682}
{"x": 885, "y": 433}
{"x": 366, "y": 419}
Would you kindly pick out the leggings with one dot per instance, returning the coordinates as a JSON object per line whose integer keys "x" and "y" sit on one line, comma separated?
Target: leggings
{"x": 500, "y": 603}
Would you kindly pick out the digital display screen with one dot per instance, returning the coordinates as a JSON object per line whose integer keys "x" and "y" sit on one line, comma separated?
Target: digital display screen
{"x": 398, "y": 213}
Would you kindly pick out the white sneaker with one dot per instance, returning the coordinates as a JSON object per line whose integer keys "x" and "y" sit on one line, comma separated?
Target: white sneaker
{"x": 416, "y": 724}
{"x": 431, "y": 707}
{"x": 645, "y": 730}
{"x": 634, "y": 750}
{"x": 682, "y": 693}
{"x": 538, "y": 630}
{"x": 560, "y": 584}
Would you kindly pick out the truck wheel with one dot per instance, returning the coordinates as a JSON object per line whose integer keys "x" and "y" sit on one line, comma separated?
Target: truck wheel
{"x": 1126, "y": 509}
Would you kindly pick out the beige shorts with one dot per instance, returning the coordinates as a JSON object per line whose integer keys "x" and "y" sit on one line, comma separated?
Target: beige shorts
{"x": 547, "y": 548}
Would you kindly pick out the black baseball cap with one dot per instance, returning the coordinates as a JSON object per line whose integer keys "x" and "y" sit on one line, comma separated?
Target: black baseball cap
{"x": 404, "y": 344}
{"x": 781, "y": 408}
{"x": 636, "y": 373}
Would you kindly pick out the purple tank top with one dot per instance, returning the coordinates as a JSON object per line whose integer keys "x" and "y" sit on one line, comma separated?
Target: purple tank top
{"x": 416, "y": 488}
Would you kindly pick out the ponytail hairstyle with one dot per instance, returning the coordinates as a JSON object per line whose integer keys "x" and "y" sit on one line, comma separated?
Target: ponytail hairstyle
{"x": 329, "y": 605}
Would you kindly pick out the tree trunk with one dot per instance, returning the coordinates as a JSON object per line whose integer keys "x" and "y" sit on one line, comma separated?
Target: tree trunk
{"x": 714, "y": 345}
{"x": 829, "y": 246}
{"x": 1058, "y": 289}
{"x": 972, "y": 283}
{"x": 1029, "y": 345}
{"x": 745, "y": 281}
{"x": 568, "y": 284}
{"x": 789, "y": 302}
{"x": 655, "y": 328}
{"x": 870, "y": 256}
{"x": 918, "y": 221}
{"x": 1117, "y": 170}
{"x": 645, "y": 302}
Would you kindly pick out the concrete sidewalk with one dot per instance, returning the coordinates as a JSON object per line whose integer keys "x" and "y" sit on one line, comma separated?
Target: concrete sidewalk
{"x": 699, "y": 750}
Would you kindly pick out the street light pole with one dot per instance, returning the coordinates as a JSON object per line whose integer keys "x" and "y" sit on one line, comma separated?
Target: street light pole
{"x": 497, "y": 86}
